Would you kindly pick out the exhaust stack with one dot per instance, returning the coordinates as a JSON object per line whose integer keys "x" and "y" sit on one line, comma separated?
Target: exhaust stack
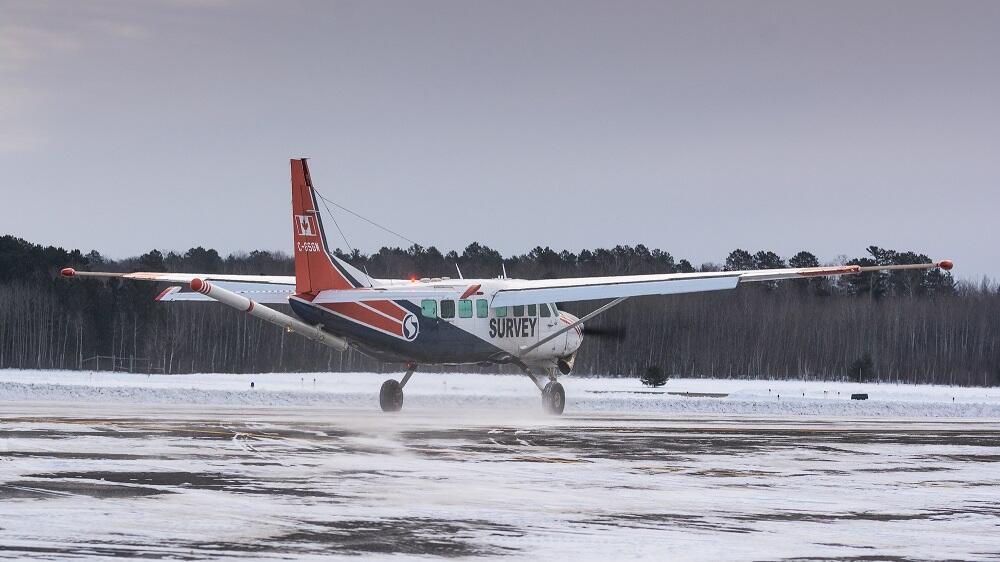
{"x": 240, "y": 302}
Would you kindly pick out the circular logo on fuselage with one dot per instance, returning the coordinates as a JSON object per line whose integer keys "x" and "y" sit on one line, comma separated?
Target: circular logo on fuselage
{"x": 411, "y": 327}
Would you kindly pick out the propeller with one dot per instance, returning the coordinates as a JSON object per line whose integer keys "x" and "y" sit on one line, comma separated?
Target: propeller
{"x": 615, "y": 331}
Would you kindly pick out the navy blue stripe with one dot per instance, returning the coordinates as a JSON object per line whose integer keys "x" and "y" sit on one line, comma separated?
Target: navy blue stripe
{"x": 438, "y": 342}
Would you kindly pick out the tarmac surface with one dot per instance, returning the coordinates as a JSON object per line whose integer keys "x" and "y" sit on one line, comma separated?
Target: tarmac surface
{"x": 193, "y": 483}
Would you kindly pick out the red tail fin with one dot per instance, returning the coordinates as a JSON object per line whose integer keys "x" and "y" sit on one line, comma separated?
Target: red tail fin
{"x": 316, "y": 269}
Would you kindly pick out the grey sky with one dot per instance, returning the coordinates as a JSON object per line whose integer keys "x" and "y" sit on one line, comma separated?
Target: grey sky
{"x": 694, "y": 127}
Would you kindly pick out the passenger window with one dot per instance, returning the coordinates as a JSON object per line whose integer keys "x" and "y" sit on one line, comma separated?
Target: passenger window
{"x": 532, "y": 311}
{"x": 543, "y": 310}
{"x": 500, "y": 311}
{"x": 447, "y": 309}
{"x": 482, "y": 308}
{"x": 429, "y": 308}
{"x": 518, "y": 310}
{"x": 465, "y": 308}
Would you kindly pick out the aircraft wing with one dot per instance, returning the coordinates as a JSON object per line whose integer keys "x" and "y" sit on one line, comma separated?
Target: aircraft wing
{"x": 273, "y": 289}
{"x": 594, "y": 288}
{"x": 183, "y": 277}
{"x": 266, "y": 289}
{"x": 258, "y": 292}
{"x": 277, "y": 288}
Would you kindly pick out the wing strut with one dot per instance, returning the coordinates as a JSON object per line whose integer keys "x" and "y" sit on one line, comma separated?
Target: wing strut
{"x": 528, "y": 348}
{"x": 287, "y": 322}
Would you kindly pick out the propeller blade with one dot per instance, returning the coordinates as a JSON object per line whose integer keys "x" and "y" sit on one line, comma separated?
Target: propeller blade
{"x": 616, "y": 332}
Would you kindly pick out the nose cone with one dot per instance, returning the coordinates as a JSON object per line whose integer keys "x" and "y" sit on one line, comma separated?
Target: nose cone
{"x": 574, "y": 337}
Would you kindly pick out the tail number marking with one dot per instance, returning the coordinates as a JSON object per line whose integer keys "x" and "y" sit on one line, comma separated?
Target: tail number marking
{"x": 307, "y": 247}
{"x": 513, "y": 327}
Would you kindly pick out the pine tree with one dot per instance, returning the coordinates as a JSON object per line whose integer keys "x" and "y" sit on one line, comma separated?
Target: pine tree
{"x": 739, "y": 260}
{"x": 654, "y": 376}
{"x": 863, "y": 368}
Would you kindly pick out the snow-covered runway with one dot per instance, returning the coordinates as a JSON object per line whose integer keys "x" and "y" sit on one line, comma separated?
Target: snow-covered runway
{"x": 108, "y": 478}
{"x": 458, "y": 392}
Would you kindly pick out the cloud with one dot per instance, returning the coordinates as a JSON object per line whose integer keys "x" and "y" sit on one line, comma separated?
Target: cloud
{"x": 21, "y": 45}
{"x": 200, "y": 3}
{"x": 121, "y": 29}
{"x": 14, "y": 142}
{"x": 17, "y": 132}
{"x": 24, "y": 45}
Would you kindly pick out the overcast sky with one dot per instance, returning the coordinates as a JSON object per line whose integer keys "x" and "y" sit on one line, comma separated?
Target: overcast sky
{"x": 693, "y": 127}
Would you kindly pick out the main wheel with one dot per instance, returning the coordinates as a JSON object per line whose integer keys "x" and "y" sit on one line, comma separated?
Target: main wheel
{"x": 390, "y": 397}
{"x": 554, "y": 398}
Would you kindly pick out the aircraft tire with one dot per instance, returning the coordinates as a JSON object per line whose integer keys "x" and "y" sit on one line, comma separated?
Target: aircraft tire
{"x": 390, "y": 397}
{"x": 554, "y": 398}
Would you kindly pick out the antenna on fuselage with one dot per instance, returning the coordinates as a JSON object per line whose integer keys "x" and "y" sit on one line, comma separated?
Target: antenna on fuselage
{"x": 504, "y": 269}
{"x": 460, "y": 276}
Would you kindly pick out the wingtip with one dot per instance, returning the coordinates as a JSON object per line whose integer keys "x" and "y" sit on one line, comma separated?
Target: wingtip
{"x": 946, "y": 264}
{"x": 68, "y": 272}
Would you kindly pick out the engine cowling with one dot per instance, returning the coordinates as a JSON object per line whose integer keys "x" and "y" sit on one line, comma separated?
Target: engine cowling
{"x": 565, "y": 364}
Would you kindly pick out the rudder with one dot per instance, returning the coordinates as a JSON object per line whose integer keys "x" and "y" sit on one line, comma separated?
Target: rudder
{"x": 316, "y": 269}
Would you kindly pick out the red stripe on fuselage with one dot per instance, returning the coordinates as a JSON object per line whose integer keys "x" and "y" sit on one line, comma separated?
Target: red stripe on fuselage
{"x": 389, "y": 308}
{"x": 365, "y": 315}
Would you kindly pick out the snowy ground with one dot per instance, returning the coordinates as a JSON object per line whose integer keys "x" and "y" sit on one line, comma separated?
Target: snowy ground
{"x": 200, "y": 467}
{"x": 457, "y": 392}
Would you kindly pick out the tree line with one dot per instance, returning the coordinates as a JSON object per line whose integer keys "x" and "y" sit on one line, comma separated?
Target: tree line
{"x": 906, "y": 326}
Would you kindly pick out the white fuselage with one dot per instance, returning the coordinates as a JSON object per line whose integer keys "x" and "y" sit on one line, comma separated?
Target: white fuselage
{"x": 446, "y": 324}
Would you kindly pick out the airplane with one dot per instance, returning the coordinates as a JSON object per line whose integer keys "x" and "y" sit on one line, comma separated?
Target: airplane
{"x": 440, "y": 321}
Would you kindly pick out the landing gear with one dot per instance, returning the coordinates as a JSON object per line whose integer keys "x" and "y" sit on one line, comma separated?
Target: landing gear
{"x": 553, "y": 394}
{"x": 390, "y": 397}
{"x": 554, "y": 398}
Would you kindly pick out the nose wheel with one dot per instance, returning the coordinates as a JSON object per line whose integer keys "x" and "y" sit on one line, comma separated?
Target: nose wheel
{"x": 390, "y": 396}
{"x": 554, "y": 398}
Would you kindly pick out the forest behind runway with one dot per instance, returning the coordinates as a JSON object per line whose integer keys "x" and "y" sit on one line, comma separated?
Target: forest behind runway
{"x": 909, "y": 326}
{"x": 173, "y": 481}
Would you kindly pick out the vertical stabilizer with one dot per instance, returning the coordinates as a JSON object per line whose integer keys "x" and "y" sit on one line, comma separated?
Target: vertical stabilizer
{"x": 316, "y": 269}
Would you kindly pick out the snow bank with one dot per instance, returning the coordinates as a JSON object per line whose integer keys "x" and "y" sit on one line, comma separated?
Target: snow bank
{"x": 455, "y": 391}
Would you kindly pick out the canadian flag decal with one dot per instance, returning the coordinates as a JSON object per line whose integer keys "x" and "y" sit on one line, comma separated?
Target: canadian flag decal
{"x": 305, "y": 225}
